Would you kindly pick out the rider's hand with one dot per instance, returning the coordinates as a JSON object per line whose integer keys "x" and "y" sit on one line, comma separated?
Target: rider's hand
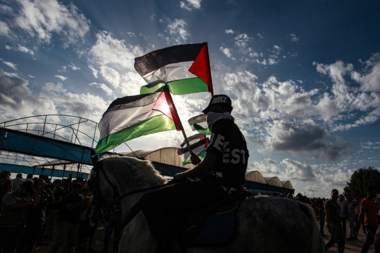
{"x": 194, "y": 159}
{"x": 178, "y": 177}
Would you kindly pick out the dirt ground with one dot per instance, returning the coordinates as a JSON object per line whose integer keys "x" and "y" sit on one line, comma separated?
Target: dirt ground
{"x": 351, "y": 246}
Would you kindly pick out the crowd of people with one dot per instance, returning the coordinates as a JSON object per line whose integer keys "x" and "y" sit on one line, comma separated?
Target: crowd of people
{"x": 36, "y": 212}
{"x": 336, "y": 212}
{"x": 361, "y": 212}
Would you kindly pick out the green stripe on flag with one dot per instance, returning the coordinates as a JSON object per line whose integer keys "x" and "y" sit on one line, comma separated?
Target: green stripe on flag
{"x": 153, "y": 125}
{"x": 180, "y": 87}
{"x": 201, "y": 155}
{"x": 202, "y": 130}
{"x": 186, "y": 86}
{"x": 147, "y": 89}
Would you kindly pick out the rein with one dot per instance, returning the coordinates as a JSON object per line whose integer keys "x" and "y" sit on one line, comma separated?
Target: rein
{"x": 115, "y": 205}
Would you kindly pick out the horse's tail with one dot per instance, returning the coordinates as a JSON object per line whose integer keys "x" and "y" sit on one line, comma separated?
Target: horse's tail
{"x": 317, "y": 243}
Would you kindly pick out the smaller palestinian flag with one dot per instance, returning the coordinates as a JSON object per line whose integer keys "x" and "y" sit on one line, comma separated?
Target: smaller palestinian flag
{"x": 199, "y": 123}
{"x": 198, "y": 144}
{"x": 134, "y": 116}
{"x": 184, "y": 69}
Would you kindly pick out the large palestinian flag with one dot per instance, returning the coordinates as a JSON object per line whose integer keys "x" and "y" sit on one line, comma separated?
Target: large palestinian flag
{"x": 199, "y": 123}
{"x": 184, "y": 68}
{"x": 198, "y": 144}
{"x": 134, "y": 116}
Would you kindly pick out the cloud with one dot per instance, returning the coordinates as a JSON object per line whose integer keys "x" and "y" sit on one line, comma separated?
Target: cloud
{"x": 9, "y": 64}
{"x": 84, "y": 105}
{"x": 73, "y": 67}
{"x": 298, "y": 171}
{"x": 227, "y": 52}
{"x": 41, "y": 19}
{"x": 305, "y": 138}
{"x": 177, "y": 28}
{"x": 241, "y": 41}
{"x": 94, "y": 71}
{"x": 102, "y": 86}
{"x": 229, "y": 31}
{"x": 24, "y": 50}
{"x": 130, "y": 83}
{"x": 294, "y": 37}
{"x": 191, "y": 4}
{"x": 267, "y": 167}
{"x": 63, "y": 78}
{"x": 370, "y": 80}
{"x": 4, "y": 29}
{"x": 110, "y": 51}
{"x": 111, "y": 75}
{"x": 327, "y": 107}
{"x": 15, "y": 96}
{"x": 346, "y": 97}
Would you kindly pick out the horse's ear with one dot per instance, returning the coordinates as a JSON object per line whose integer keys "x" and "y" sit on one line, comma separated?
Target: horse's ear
{"x": 94, "y": 156}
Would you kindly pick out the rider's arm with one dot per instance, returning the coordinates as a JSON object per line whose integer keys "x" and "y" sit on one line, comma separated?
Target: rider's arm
{"x": 202, "y": 169}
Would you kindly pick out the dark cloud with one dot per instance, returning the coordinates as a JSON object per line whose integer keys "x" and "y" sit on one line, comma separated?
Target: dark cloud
{"x": 14, "y": 92}
{"x": 306, "y": 137}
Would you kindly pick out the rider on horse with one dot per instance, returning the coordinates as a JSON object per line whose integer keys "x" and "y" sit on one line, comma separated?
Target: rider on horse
{"x": 221, "y": 173}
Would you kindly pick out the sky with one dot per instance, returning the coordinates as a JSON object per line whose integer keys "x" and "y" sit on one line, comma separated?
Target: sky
{"x": 304, "y": 76}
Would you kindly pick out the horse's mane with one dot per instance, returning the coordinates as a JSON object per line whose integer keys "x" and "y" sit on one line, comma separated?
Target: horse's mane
{"x": 142, "y": 168}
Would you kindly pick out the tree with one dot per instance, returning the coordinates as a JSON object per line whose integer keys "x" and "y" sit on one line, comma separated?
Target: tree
{"x": 361, "y": 179}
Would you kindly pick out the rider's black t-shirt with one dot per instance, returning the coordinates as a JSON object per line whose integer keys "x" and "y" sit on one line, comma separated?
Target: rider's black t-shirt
{"x": 231, "y": 148}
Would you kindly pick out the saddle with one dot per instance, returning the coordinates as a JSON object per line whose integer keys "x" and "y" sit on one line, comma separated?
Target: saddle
{"x": 212, "y": 225}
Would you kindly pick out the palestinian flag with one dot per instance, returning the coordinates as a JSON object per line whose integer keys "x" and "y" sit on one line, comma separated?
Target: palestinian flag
{"x": 199, "y": 123}
{"x": 198, "y": 144}
{"x": 184, "y": 68}
{"x": 134, "y": 116}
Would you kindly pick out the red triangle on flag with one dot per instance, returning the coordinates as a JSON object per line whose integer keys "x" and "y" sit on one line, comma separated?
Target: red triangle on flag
{"x": 201, "y": 67}
{"x": 165, "y": 105}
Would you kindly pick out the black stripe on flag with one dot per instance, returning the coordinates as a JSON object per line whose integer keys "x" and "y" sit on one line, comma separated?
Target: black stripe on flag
{"x": 162, "y": 57}
{"x": 133, "y": 101}
{"x": 192, "y": 146}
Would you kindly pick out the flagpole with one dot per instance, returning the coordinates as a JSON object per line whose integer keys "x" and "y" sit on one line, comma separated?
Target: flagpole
{"x": 209, "y": 67}
{"x": 175, "y": 109}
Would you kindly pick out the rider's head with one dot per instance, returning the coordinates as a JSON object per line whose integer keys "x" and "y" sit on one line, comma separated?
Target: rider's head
{"x": 219, "y": 104}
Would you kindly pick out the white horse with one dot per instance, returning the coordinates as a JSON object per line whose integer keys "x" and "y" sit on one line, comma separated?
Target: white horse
{"x": 264, "y": 224}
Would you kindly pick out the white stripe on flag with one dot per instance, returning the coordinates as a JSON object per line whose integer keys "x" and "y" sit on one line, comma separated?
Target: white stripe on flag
{"x": 115, "y": 121}
{"x": 171, "y": 72}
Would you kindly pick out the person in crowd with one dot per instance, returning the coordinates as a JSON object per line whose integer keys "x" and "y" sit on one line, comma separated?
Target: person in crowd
{"x": 377, "y": 237}
{"x": 289, "y": 196}
{"x": 71, "y": 208}
{"x": 36, "y": 218}
{"x": 29, "y": 178}
{"x": 343, "y": 211}
{"x": 321, "y": 211}
{"x": 334, "y": 224}
{"x": 369, "y": 213}
{"x": 356, "y": 203}
{"x": 17, "y": 182}
{"x": 352, "y": 218}
{"x": 5, "y": 183}
{"x": 52, "y": 219}
{"x": 84, "y": 223}
{"x": 377, "y": 201}
{"x": 222, "y": 172}
{"x": 14, "y": 207}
